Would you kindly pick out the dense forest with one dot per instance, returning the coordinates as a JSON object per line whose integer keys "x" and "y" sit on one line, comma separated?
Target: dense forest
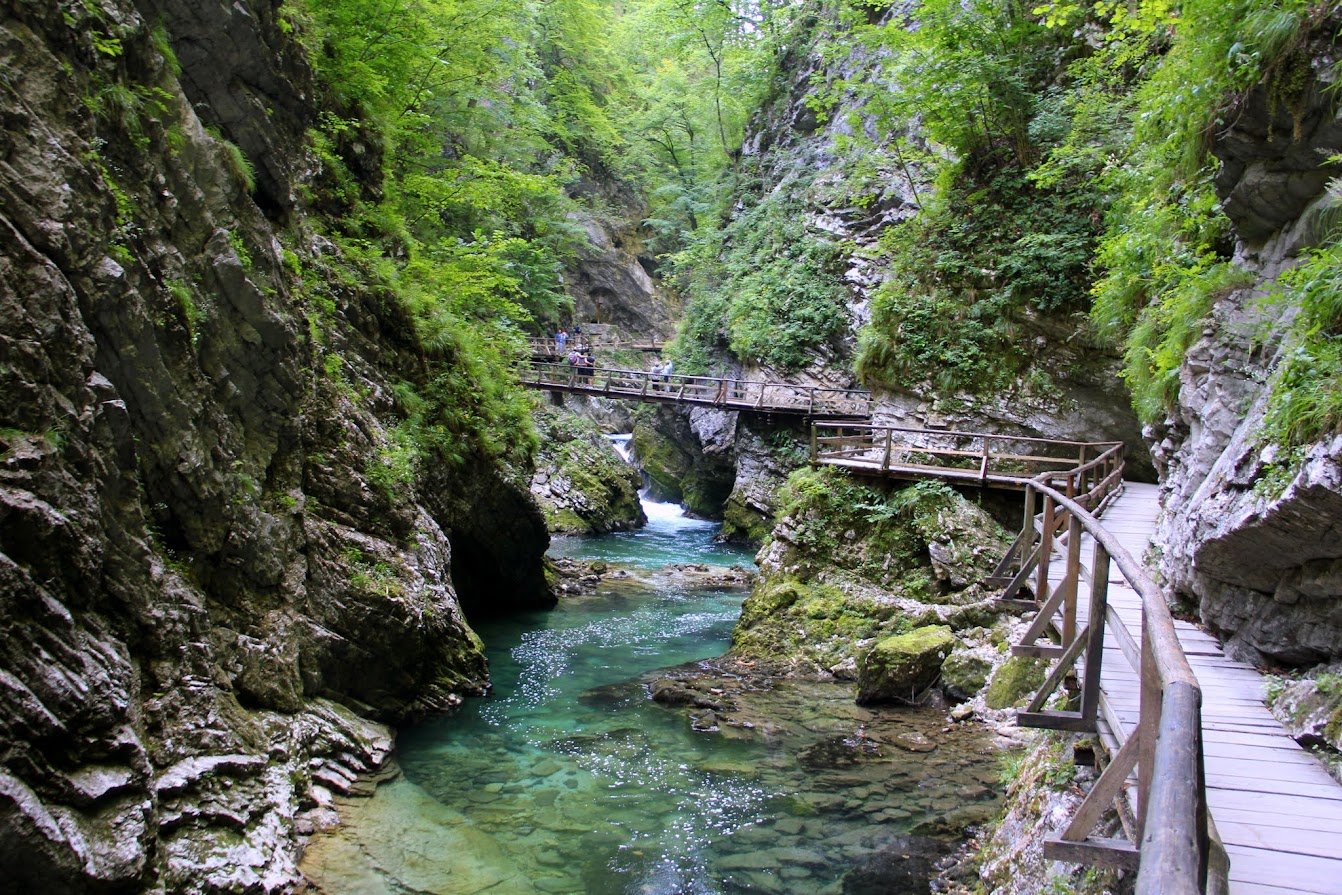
{"x": 1060, "y": 155}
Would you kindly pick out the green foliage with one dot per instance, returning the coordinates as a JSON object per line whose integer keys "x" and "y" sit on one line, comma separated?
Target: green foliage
{"x": 187, "y": 307}
{"x": 765, "y": 287}
{"x": 1165, "y": 251}
{"x": 235, "y": 160}
{"x": 397, "y": 463}
{"x": 996, "y": 242}
{"x": 1306, "y": 402}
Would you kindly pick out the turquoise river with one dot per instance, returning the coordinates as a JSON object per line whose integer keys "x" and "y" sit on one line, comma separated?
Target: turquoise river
{"x": 569, "y": 778}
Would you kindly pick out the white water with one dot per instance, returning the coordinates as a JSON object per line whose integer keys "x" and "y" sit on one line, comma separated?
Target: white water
{"x": 669, "y": 518}
{"x": 621, "y": 444}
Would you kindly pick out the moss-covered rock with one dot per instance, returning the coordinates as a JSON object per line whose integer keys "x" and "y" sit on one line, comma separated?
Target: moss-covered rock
{"x": 849, "y": 563}
{"x": 664, "y": 462}
{"x": 1015, "y": 679}
{"x": 966, "y": 671}
{"x": 582, "y": 485}
{"x": 742, "y": 523}
{"x": 679, "y": 467}
{"x": 1311, "y": 709}
{"x": 903, "y": 667}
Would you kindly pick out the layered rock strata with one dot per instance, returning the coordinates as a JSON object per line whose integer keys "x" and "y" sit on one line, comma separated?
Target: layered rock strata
{"x": 209, "y": 579}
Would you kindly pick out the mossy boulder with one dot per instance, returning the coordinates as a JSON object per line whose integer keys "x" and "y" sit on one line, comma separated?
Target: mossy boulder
{"x": 582, "y": 485}
{"x": 1016, "y": 678}
{"x": 966, "y": 671}
{"x": 903, "y": 667}
{"x": 848, "y": 564}
{"x": 742, "y": 523}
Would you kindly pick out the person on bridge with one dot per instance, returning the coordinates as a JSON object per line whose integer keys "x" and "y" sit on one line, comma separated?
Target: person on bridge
{"x": 561, "y": 339}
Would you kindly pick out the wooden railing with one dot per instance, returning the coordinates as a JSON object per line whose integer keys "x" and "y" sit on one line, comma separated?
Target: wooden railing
{"x": 548, "y": 347}
{"x": 1171, "y": 844}
{"x": 968, "y": 457}
{"x": 731, "y": 394}
{"x": 1067, "y": 484}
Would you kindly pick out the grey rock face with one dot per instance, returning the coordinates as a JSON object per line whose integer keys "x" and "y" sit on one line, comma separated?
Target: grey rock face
{"x": 1257, "y": 553}
{"x": 205, "y": 592}
{"x": 1281, "y": 131}
{"x": 612, "y": 283}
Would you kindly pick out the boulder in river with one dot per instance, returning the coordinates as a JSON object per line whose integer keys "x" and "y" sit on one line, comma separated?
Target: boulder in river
{"x": 902, "y": 667}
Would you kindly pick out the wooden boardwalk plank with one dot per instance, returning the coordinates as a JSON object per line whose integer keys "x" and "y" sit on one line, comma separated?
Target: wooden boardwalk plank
{"x": 1309, "y": 873}
{"x": 1276, "y": 808}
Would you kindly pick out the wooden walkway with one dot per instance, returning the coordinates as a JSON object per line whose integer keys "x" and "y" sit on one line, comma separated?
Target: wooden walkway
{"x": 1276, "y": 810}
{"x": 981, "y": 460}
{"x": 781, "y": 398}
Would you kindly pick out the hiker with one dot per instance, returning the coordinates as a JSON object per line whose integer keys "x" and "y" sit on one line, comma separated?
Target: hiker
{"x": 561, "y": 339}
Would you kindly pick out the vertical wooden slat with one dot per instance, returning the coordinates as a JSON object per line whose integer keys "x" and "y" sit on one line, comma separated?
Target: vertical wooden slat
{"x": 885, "y": 463}
{"x": 1099, "y": 605}
{"x": 1045, "y": 550}
{"x": 1073, "y": 578}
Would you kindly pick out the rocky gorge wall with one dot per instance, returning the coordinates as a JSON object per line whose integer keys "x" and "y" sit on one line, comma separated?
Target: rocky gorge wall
{"x": 1250, "y": 535}
{"x": 213, "y": 580}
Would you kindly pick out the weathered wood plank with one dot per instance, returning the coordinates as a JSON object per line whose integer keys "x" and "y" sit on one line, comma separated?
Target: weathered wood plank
{"x": 1309, "y": 873}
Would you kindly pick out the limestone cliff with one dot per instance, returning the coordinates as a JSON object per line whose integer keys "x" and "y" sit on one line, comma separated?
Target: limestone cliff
{"x": 213, "y": 571}
{"x": 1251, "y": 536}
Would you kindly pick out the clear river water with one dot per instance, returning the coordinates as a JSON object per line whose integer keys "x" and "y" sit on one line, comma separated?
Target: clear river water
{"x": 570, "y": 779}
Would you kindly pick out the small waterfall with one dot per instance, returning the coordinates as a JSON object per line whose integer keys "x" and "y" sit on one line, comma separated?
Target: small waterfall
{"x": 621, "y": 443}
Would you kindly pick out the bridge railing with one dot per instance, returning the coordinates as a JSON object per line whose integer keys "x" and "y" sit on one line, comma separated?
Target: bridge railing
{"x": 1171, "y": 836}
{"x": 542, "y": 346}
{"x": 966, "y": 456}
{"x": 737, "y": 394}
{"x": 1067, "y": 484}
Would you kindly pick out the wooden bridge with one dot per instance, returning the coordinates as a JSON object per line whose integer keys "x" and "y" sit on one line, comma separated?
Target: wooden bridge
{"x": 1212, "y": 794}
{"x": 544, "y": 349}
{"x": 782, "y": 398}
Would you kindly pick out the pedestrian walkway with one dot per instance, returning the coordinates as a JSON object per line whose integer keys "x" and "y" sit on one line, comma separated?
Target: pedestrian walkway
{"x": 1276, "y": 810}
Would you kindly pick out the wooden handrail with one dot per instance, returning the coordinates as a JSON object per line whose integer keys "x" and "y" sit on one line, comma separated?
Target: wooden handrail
{"x": 1172, "y": 845}
{"x": 991, "y": 459}
{"x": 1174, "y": 850}
{"x": 733, "y": 394}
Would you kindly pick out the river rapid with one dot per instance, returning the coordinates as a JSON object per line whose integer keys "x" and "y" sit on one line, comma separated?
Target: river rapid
{"x": 569, "y": 778}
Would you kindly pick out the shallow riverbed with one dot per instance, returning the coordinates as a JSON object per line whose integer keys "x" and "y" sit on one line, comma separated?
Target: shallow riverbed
{"x": 570, "y": 779}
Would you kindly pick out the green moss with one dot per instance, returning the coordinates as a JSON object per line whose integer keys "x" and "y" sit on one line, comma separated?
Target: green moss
{"x": 1015, "y": 679}
{"x": 663, "y": 462}
{"x": 785, "y": 620}
{"x": 964, "y": 673}
{"x": 742, "y": 524}
{"x": 903, "y": 666}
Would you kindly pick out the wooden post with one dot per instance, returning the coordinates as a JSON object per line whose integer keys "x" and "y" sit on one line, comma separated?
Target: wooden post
{"x": 814, "y": 453}
{"x": 885, "y": 463}
{"x": 983, "y": 466}
{"x": 811, "y": 407}
{"x": 1045, "y": 550}
{"x": 1073, "y": 578}
{"x": 1148, "y": 724}
{"x": 1099, "y": 606}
